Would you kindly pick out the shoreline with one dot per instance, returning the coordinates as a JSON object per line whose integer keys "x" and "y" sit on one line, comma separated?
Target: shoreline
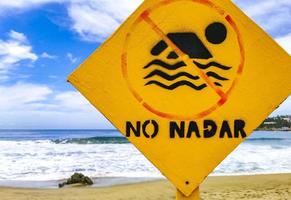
{"x": 103, "y": 182}
{"x": 275, "y": 187}
{"x": 100, "y": 182}
{"x": 275, "y": 129}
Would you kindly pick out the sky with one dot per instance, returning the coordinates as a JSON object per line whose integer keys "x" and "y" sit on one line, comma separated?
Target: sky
{"x": 43, "y": 41}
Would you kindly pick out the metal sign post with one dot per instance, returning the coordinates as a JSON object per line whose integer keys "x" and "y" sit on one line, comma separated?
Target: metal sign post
{"x": 193, "y": 196}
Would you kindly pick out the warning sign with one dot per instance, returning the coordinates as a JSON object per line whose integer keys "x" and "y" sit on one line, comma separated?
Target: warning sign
{"x": 186, "y": 81}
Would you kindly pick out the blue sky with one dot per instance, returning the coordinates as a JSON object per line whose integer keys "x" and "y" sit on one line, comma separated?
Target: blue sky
{"x": 42, "y": 41}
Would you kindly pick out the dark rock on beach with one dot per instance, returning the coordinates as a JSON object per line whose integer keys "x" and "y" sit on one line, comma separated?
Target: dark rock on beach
{"x": 77, "y": 178}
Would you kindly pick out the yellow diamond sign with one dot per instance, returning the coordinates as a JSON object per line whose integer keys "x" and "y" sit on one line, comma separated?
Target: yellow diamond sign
{"x": 186, "y": 81}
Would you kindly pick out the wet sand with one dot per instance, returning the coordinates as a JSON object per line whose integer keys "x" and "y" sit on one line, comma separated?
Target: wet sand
{"x": 271, "y": 187}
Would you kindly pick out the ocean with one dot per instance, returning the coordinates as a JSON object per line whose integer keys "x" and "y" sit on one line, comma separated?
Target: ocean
{"x": 47, "y": 156}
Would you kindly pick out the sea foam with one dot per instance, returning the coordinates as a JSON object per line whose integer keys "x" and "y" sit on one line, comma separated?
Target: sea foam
{"x": 55, "y": 159}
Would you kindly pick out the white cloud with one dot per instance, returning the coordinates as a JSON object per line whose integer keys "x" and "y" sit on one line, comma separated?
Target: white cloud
{"x": 20, "y": 5}
{"x": 21, "y": 95}
{"x": 71, "y": 58}
{"x": 72, "y": 101}
{"x": 96, "y": 20}
{"x": 23, "y": 3}
{"x": 258, "y": 8}
{"x": 26, "y": 105}
{"x": 18, "y": 36}
{"x": 285, "y": 42}
{"x": 12, "y": 51}
{"x": 91, "y": 24}
{"x": 273, "y": 15}
{"x": 93, "y": 20}
{"x": 48, "y": 56}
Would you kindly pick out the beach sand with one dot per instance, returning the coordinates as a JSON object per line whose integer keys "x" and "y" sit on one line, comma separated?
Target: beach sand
{"x": 271, "y": 187}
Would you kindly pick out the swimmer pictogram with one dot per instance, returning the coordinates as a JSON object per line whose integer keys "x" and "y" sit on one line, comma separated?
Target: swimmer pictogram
{"x": 186, "y": 64}
{"x": 190, "y": 44}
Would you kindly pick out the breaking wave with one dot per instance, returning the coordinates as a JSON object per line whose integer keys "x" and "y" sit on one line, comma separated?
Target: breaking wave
{"x": 92, "y": 140}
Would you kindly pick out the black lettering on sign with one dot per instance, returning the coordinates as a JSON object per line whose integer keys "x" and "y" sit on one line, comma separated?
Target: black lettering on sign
{"x": 210, "y": 128}
{"x": 225, "y": 129}
{"x": 131, "y": 128}
{"x": 175, "y": 128}
{"x": 144, "y": 128}
{"x": 155, "y": 127}
{"x": 193, "y": 128}
{"x": 150, "y": 129}
{"x": 239, "y": 126}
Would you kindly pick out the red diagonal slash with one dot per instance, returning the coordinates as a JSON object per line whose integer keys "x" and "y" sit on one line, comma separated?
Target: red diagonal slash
{"x": 145, "y": 16}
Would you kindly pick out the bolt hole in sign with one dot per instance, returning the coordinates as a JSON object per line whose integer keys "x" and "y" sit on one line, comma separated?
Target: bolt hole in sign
{"x": 186, "y": 81}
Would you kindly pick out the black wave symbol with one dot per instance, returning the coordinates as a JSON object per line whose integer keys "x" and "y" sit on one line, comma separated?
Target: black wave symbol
{"x": 178, "y": 65}
{"x": 177, "y": 84}
{"x": 211, "y": 64}
{"x": 215, "y": 75}
{"x": 166, "y": 65}
{"x": 218, "y": 84}
{"x": 171, "y": 77}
